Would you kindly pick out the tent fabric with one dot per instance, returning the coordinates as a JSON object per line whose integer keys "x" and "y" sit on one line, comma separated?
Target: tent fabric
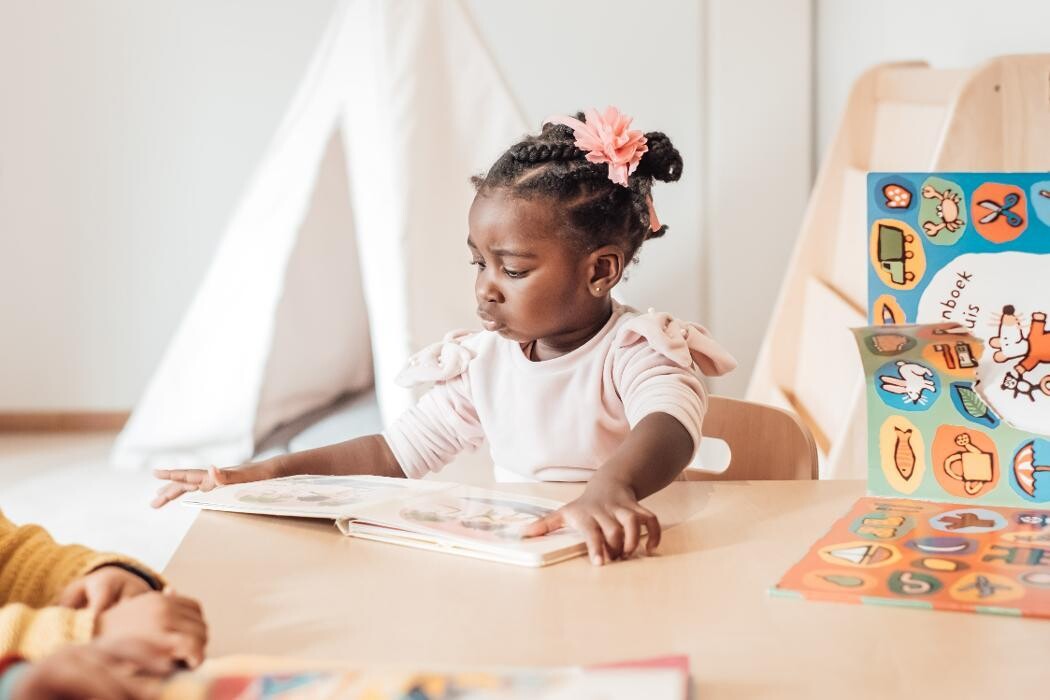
{"x": 343, "y": 255}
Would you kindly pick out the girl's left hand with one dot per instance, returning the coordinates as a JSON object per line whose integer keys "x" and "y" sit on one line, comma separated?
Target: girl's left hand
{"x": 610, "y": 519}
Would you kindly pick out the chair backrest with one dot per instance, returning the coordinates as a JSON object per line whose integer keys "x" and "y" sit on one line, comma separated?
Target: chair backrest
{"x": 766, "y": 442}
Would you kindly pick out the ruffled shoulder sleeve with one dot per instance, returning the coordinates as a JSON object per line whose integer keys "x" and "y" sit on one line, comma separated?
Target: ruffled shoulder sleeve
{"x": 683, "y": 342}
{"x": 438, "y": 362}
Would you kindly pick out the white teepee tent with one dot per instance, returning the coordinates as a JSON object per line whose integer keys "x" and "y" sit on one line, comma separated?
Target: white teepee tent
{"x": 341, "y": 248}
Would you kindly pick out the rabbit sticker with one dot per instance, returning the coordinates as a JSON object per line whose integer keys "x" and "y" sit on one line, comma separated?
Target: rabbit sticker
{"x": 907, "y": 385}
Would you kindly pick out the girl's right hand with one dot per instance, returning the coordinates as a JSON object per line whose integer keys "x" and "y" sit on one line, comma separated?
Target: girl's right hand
{"x": 187, "y": 480}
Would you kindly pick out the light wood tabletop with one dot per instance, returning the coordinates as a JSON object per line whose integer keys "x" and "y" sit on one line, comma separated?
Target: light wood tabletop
{"x": 280, "y": 586}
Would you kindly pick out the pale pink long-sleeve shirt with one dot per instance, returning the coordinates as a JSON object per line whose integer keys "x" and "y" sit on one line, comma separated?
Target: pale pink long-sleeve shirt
{"x": 559, "y": 419}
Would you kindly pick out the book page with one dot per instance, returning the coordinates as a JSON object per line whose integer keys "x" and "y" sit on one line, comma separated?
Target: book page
{"x": 326, "y": 497}
{"x": 470, "y": 518}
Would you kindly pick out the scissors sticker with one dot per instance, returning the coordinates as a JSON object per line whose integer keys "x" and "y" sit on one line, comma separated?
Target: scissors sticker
{"x": 999, "y": 212}
{"x": 1005, "y": 209}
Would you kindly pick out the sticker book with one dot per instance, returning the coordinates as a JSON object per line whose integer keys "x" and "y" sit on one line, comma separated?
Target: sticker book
{"x": 438, "y": 516}
{"x": 957, "y": 383}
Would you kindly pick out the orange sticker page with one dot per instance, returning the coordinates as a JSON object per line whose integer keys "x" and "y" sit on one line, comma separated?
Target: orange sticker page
{"x": 939, "y": 556}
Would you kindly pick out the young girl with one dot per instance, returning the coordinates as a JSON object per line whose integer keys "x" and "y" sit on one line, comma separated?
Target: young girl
{"x": 565, "y": 383}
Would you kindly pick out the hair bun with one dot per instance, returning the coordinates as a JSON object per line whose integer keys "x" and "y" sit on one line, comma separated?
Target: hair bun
{"x": 662, "y": 161}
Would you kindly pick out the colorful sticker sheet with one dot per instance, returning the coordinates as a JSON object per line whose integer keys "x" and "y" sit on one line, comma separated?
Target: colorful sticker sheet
{"x": 970, "y": 250}
{"x": 931, "y": 433}
{"x": 939, "y": 556}
{"x": 957, "y": 370}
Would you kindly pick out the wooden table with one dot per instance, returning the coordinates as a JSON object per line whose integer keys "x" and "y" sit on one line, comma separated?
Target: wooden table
{"x": 279, "y": 586}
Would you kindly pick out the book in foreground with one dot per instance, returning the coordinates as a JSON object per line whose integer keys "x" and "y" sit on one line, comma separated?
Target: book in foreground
{"x": 665, "y": 678}
{"x": 431, "y": 515}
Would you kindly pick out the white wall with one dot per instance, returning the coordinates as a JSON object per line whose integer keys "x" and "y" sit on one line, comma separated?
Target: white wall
{"x": 130, "y": 127}
{"x": 127, "y": 130}
{"x": 759, "y": 163}
{"x": 855, "y": 34}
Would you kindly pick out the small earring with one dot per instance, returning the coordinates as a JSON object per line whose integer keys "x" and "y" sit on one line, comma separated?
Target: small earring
{"x": 597, "y": 289}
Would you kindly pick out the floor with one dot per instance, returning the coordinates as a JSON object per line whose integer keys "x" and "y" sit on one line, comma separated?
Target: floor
{"x": 64, "y": 482}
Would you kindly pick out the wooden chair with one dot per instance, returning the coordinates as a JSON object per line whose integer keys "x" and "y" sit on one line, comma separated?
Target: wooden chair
{"x": 766, "y": 442}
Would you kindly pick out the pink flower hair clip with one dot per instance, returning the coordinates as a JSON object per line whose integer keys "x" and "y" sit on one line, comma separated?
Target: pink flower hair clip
{"x": 607, "y": 138}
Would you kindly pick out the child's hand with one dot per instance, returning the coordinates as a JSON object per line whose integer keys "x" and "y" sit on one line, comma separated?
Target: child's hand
{"x": 102, "y": 589}
{"x": 162, "y": 618}
{"x": 610, "y": 519}
{"x": 187, "y": 480}
{"x": 115, "y": 669}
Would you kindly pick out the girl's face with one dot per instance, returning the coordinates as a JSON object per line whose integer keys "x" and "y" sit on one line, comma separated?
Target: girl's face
{"x": 531, "y": 282}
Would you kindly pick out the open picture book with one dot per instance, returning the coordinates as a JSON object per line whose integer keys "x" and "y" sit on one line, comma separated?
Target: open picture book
{"x": 433, "y": 515}
{"x": 957, "y": 384}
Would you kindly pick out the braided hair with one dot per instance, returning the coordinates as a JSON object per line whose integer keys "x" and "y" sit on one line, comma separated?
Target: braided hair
{"x": 595, "y": 210}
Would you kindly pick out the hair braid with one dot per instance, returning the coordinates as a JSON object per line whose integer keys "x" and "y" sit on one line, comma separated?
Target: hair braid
{"x": 597, "y": 210}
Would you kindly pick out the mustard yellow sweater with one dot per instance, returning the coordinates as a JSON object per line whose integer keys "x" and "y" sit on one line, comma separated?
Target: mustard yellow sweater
{"x": 33, "y": 571}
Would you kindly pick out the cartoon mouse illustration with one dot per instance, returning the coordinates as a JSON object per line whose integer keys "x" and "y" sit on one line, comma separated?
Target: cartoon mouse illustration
{"x": 1010, "y": 343}
{"x": 912, "y": 382}
{"x": 1038, "y": 345}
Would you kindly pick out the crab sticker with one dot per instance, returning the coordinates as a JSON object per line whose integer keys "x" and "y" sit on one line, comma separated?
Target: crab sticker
{"x": 897, "y": 254}
{"x": 942, "y": 211}
{"x": 999, "y": 212}
{"x": 910, "y": 386}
